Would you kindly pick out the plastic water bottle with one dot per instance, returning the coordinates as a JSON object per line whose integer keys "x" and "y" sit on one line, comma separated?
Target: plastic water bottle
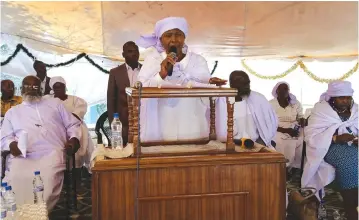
{"x": 3, "y": 208}
{"x": 10, "y": 203}
{"x": 38, "y": 188}
{"x": 3, "y": 189}
{"x": 116, "y": 131}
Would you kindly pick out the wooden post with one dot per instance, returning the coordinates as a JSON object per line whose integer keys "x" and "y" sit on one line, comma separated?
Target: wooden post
{"x": 130, "y": 119}
{"x": 135, "y": 130}
{"x": 212, "y": 134}
{"x": 230, "y": 144}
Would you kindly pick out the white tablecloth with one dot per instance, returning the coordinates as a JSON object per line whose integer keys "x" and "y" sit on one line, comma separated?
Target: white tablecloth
{"x": 32, "y": 212}
{"x": 102, "y": 151}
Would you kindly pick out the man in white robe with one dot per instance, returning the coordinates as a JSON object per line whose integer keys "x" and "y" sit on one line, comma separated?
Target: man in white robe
{"x": 78, "y": 107}
{"x": 51, "y": 130}
{"x": 253, "y": 116}
{"x": 181, "y": 118}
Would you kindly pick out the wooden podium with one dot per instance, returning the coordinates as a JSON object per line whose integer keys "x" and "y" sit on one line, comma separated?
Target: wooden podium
{"x": 223, "y": 185}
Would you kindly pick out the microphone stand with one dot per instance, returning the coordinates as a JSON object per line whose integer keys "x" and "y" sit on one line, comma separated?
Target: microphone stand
{"x": 138, "y": 86}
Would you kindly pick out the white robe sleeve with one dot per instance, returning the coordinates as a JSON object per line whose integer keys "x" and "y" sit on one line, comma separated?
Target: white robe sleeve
{"x": 80, "y": 107}
{"x": 71, "y": 123}
{"x": 7, "y": 132}
{"x": 299, "y": 110}
{"x": 149, "y": 74}
{"x": 198, "y": 72}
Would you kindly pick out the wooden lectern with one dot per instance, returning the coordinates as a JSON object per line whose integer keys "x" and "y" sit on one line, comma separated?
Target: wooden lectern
{"x": 225, "y": 185}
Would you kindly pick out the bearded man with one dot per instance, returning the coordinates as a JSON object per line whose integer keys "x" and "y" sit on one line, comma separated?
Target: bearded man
{"x": 51, "y": 130}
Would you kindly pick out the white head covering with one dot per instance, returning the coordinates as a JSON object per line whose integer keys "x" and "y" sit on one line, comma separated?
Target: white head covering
{"x": 336, "y": 89}
{"x": 56, "y": 79}
{"x": 293, "y": 98}
{"x": 161, "y": 27}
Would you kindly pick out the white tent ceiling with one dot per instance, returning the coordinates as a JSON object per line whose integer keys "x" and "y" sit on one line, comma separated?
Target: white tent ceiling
{"x": 217, "y": 29}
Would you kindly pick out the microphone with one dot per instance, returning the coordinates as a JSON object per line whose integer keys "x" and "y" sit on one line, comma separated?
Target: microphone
{"x": 244, "y": 143}
{"x": 173, "y": 53}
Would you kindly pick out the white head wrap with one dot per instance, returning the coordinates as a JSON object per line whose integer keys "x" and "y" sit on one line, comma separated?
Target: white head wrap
{"x": 336, "y": 89}
{"x": 161, "y": 27}
{"x": 56, "y": 79}
{"x": 293, "y": 98}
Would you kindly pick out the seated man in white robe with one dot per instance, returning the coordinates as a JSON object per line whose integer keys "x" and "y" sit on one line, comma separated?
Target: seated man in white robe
{"x": 51, "y": 130}
{"x": 78, "y": 107}
{"x": 253, "y": 116}
{"x": 180, "y": 118}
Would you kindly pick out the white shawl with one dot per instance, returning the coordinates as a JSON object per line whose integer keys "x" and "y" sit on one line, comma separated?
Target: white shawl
{"x": 323, "y": 123}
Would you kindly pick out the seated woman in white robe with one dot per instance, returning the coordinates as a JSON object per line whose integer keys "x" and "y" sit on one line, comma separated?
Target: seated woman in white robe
{"x": 290, "y": 115}
{"x": 78, "y": 107}
{"x": 332, "y": 145}
{"x": 180, "y": 118}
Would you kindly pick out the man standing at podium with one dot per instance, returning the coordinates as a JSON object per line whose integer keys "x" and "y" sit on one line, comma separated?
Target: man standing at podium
{"x": 172, "y": 65}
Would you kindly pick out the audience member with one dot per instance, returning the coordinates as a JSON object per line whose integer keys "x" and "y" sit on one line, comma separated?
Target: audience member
{"x": 121, "y": 77}
{"x": 253, "y": 116}
{"x": 8, "y": 99}
{"x": 41, "y": 73}
{"x": 332, "y": 145}
{"x": 78, "y": 107}
{"x": 51, "y": 130}
{"x": 290, "y": 115}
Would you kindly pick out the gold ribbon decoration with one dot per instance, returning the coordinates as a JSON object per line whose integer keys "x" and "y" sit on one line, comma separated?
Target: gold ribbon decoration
{"x": 300, "y": 64}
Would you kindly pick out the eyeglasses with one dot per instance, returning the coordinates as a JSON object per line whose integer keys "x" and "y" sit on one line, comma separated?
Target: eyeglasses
{"x": 30, "y": 87}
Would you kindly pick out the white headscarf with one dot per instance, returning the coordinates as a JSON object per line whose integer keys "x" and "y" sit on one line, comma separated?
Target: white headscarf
{"x": 336, "y": 89}
{"x": 293, "y": 98}
{"x": 161, "y": 27}
{"x": 54, "y": 80}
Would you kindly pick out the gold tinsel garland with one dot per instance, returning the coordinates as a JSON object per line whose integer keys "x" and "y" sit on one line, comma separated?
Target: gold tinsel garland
{"x": 304, "y": 68}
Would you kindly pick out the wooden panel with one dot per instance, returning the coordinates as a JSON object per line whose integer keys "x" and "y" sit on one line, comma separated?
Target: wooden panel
{"x": 153, "y": 92}
{"x": 241, "y": 186}
{"x": 229, "y": 206}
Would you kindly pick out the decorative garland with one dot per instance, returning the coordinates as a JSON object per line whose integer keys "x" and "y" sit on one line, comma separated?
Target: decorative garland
{"x": 78, "y": 57}
{"x": 304, "y": 68}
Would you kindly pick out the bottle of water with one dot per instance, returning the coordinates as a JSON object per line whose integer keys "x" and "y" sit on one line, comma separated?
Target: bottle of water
{"x": 3, "y": 190}
{"x": 38, "y": 188}
{"x": 10, "y": 203}
{"x": 3, "y": 208}
{"x": 116, "y": 131}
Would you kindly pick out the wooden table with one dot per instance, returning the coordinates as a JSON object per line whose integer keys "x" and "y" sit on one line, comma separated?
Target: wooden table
{"x": 239, "y": 186}
{"x": 223, "y": 185}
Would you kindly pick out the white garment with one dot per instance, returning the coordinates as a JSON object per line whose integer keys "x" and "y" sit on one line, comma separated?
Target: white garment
{"x": 173, "y": 119}
{"x": 322, "y": 124}
{"x": 263, "y": 117}
{"x": 244, "y": 126}
{"x": 290, "y": 147}
{"x": 43, "y": 84}
{"x": 49, "y": 125}
{"x": 132, "y": 74}
{"x": 78, "y": 106}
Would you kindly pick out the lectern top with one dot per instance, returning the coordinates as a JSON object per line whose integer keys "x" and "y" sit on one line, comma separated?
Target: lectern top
{"x": 153, "y": 92}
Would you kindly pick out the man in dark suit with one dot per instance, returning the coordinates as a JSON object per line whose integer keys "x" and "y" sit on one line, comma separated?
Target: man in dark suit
{"x": 121, "y": 77}
{"x": 41, "y": 72}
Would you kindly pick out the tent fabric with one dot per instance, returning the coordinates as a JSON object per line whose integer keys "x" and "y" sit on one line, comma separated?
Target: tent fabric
{"x": 217, "y": 29}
